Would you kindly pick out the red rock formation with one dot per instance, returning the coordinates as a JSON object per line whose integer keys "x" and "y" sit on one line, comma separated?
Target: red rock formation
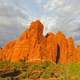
{"x": 8, "y": 50}
{"x": 0, "y": 53}
{"x": 62, "y": 43}
{"x": 70, "y": 50}
{"x": 21, "y": 48}
{"x": 51, "y": 47}
{"x": 35, "y": 34}
{"x": 48, "y": 47}
{"x": 34, "y": 47}
{"x": 77, "y": 54}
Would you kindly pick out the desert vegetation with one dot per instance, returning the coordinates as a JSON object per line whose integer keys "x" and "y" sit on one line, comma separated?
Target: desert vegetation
{"x": 42, "y": 71}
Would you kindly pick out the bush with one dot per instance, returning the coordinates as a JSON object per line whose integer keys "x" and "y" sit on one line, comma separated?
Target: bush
{"x": 46, "y": 69}
{"x": 35, "y": 75}
{"x": 4, "y": 64}
{"x": 46, "y": 64}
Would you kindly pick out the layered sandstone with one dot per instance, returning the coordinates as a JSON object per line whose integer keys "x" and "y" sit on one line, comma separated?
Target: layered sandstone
{"x": 0, "y": 53}
{"x": 33, "y": 46}
{"x": 63, "y": 44}
{"x": 77, "y": 54}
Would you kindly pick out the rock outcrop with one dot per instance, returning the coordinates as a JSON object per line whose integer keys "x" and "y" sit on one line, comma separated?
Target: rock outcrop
{"x": 0, "y": 53}
{"x": 63, "y": 45}
{"x": 33, "y": 46}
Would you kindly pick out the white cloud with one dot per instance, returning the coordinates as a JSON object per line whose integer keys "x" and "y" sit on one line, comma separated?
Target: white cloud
{"x": 52, "y": 4}
{"x": 48, "y": 22}
{"x": 56, "y": 15}
{"x": 38, "y": 1}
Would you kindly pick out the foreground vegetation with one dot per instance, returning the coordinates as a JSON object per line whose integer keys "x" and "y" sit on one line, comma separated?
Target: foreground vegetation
{"x": 44, "y": 71}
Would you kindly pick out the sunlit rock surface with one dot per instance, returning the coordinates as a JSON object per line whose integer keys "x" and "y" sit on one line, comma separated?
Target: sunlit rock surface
{"x": 33, "y": 46}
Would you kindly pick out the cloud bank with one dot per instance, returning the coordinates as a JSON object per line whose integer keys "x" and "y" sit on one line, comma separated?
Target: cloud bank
{"x": 56, "y": 15}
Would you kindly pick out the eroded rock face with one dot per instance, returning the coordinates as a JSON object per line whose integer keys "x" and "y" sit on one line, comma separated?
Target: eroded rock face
{"x": 21, "y": 48}
{"x": 51, "y": 47}
{"x": 35, "y": 36}
{"x": 76, "y": 56}
{"x": 7, "y": 51}
{"x": 63, "y": 44}
{"x": 0, "y": 53}
{"x": 70, "y": 49}
{"x": 33, "y": 46}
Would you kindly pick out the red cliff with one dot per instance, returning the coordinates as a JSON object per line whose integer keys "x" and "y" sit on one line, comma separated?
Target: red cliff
{"x": 0, "y": 53}
{"x": 33, "y": 46}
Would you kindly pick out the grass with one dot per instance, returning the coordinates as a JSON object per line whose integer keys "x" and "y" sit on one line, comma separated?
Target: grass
{"x": 44, "y": 70}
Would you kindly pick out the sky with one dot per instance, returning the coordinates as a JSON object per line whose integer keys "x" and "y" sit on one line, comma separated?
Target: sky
{"x": 56, "y": 15}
